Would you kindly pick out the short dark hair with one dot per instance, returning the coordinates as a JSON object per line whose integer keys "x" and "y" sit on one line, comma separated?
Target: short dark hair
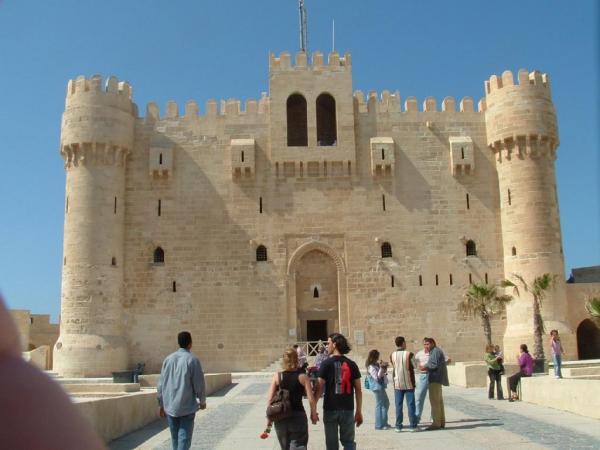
{"x": 399, "y": 341}
{"x": 341, "y": 343}
{"x": 429, "y": 340}
{"x": 184, "y": 339}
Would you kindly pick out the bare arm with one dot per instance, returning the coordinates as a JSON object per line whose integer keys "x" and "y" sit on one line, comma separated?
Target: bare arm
{"x": 305, "y": 381}
{"x": 358, "y": 394}
{"x": 272, "y": 388}
{"x": 320, "y": 384}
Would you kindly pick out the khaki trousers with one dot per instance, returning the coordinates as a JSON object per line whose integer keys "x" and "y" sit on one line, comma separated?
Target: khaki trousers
{"x": 437, "y": 405}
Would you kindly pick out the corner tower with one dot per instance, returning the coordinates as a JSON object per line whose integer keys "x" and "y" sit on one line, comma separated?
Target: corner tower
{"x": 96, "y": 136}
{"x": 523, "y": 134}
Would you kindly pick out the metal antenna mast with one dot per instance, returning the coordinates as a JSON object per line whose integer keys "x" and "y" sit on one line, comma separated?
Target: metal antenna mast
{"x": 303, "y": 27}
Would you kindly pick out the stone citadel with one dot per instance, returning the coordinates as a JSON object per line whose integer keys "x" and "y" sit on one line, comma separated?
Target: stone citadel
{"x": 308, "y": 211}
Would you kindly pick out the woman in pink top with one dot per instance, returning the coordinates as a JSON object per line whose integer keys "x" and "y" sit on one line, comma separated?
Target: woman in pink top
{"x": 526, "y": 369}
{"x": 557, "y": 352}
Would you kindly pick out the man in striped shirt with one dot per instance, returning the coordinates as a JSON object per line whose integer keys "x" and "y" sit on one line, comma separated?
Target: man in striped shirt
{"x": 403, "y": 370}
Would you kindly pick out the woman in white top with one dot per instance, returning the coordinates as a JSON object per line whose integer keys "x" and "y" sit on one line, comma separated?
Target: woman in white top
{"x": 377, "y": 378}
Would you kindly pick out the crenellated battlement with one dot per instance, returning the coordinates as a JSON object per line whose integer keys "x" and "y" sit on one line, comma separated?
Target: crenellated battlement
{"x": 231, "y": 107}
{"x": 84, "y": 91}
{"x": 525, "y": 80}
{"x": 334, "y": 62}
{"x": 391, "y": 102}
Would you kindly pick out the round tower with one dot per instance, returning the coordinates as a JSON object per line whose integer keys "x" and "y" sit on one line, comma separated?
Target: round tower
{"x": 523, "y": 134}
{"x": 96, "y": 136}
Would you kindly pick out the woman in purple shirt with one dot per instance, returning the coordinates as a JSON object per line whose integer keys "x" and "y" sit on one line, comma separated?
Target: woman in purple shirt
{"x": 526, "y": 369}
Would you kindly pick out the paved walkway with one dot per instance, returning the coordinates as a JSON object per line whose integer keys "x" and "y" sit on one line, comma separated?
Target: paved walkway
{"x": 235, "y": 418}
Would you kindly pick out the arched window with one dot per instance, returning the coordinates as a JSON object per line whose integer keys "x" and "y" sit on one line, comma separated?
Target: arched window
{"x": 471, "y": 248}
{"x": 159, "y": 255}
{"x": 297, "y": 125}
{"x": 386, "y": 250}
{"x": 514, "y": 251}
{"x": 261, "y": 253}
{"x": 316, "y": 292}
{"x": 113, "y": 261}
{"x": 326, "y": 120}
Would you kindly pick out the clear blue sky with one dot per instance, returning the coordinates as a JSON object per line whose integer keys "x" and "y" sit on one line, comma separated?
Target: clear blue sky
{"x": 181, "y": 50}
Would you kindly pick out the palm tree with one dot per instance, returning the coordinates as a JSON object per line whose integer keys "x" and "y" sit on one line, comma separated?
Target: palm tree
{"x": 482, "y": 300}
{"x": 538, "y": 288}
{"x": 593, "y": 307}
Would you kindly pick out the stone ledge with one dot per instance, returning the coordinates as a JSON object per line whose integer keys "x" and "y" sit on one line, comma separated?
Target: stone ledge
{"x": 574, "y": 395}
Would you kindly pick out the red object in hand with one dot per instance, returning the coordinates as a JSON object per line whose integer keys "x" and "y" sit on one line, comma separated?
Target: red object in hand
{"x": 264, "y": 435}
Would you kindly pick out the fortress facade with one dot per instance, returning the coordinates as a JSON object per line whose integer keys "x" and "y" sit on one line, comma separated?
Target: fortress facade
{"x": 308, "y": 211}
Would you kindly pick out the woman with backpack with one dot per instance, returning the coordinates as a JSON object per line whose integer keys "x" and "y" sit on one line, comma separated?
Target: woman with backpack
{"x": 377, "y": 381}
{"x": 290, "y": 385}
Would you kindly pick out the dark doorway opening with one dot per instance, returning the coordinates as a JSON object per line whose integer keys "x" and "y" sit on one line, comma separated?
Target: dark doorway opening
{"x": 316, "y": 330}
{"x": 588, "y": 340}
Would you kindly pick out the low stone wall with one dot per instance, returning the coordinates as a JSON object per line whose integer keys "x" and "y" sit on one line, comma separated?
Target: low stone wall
{"x": 473, "y": 374}
{"x": 124, "y": 412}
{"x": 214, "y": 381}
{"x": 39, "y": 357}
{"x": 574, "y": 395}
{"x": 115, "y": 416}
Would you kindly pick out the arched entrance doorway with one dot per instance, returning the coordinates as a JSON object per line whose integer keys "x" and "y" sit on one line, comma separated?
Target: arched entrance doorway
{"x": 316, "y": 296}
{"x": 588, "y": 340}
{"x": 316, "y": 292}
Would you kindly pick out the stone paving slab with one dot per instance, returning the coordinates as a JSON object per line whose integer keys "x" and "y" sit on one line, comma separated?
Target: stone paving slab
{"x": 235, "y": 418}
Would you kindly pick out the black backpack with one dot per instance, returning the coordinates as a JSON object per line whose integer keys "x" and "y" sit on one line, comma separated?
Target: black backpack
{"x": 280, "y": 406}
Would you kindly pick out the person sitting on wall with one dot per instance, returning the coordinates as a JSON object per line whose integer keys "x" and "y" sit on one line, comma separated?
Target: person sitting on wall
{"x": 525, "y": 370}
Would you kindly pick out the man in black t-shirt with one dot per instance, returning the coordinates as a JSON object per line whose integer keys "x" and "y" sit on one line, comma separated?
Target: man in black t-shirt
{"x": 341, "y": 377}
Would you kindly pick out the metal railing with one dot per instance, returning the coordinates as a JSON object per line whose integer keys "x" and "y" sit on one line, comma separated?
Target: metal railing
{"x": 311, "y": 348}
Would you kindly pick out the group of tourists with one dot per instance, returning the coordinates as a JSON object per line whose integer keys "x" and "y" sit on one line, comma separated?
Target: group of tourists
{"x": 181, "y": 390}
{"x": 413, "y": 376}
{"x": 494, "y": 358}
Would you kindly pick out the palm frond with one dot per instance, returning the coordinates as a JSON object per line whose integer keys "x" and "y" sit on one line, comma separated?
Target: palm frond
{"x": 593, "y": 306}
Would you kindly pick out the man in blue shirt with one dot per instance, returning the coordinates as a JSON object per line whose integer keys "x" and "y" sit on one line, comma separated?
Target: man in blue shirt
{"x": 181, "y": 391}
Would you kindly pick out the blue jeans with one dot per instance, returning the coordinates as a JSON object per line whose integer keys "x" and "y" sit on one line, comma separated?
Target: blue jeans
{"x": 420, "y": 394}
{"x": 399, "y": 395}
{"x": 342, "y": 420}
{"x": 382, "y": 405}
{"x": 557, "y": 360}
{"x": 181, "y": 431}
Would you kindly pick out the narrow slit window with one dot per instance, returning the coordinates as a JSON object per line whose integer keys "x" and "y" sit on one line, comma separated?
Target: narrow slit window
{"x": 420, "y": 280}
{"x": 174, "y": 286}
{"x": 486, "y": 278}
{"x": 160, "y": 160}
{"x": 260, "y": 205}
{"x": 383, "y": 153}
{"x": 468, "y": 202}
{"x": 386, "y": 250}
{"x": 462, "y": 153}
{"x": 113, "y": 261}
{"x": 437, "y": 280}
{"x": 242, "y": 156}
{"x": 514, "y": 251}
{"x": 67, "y": 205}
{"x": 115, "y": 206}
{"x": 470, "y": 279}
{"x": 261, "y": 253}
{"x": 509, "y": 198}
{"x": 451, "y": 281}
{"x": 159, "y": 207}
{"x": 383, "y": 201}
{"x": 316, "y": 292}
{"x": 393, "y": 281}
{"x": 65, "y": 261}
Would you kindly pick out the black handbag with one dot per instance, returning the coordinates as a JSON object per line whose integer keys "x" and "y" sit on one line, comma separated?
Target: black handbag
{"x": 280, "y": 406}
